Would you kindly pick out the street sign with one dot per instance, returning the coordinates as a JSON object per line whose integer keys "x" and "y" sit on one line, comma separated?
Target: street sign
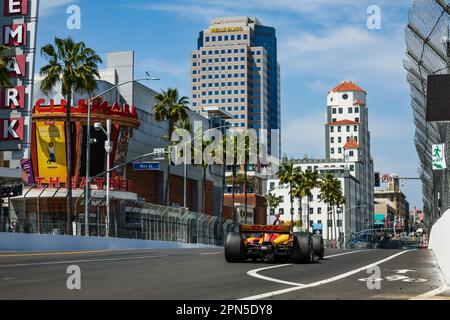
{"x": 146, "y": 166}
{"x": 317, "y": 228}
{"x": 159, "y": 153}
{"x": 438, "y": 156}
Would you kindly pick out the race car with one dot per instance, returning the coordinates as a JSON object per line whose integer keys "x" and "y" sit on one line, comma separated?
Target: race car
{"x": 272, "y": 243}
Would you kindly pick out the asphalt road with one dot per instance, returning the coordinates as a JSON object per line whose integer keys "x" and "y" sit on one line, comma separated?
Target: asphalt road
{"x": 202, "y": 274}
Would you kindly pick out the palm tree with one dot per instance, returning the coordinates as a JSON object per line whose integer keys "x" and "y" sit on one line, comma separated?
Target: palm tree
{"x": 339, "y": 200}
{"x": 204, "y": 144}
{"x": 304, "y": 183}
{"x": 327, "y": 195}
{"x": 312, "y": 181}
{"x": 287, "y": 174}
{"x": 75, "y": 66}
{"x": 170, "y": 107}
{"x": 272, "y": 201}
{"x": 5, "y": 59}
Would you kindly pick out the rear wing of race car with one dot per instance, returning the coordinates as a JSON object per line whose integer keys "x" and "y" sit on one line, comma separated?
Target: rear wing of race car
{"x": 247, "y": 228}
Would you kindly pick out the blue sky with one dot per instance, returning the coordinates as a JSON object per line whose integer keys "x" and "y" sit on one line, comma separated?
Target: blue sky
{"x": 320, "y": 43}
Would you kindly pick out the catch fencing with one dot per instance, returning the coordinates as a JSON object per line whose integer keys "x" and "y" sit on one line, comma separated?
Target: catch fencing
{"x": 128, "y": 219}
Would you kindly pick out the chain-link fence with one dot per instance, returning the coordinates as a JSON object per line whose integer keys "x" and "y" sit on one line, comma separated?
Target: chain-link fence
{"x": 427, "y": 53}
{"x": 128, "y": 219}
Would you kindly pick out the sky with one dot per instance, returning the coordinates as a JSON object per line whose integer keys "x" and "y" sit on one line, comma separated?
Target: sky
{"x": 320, "y": 43}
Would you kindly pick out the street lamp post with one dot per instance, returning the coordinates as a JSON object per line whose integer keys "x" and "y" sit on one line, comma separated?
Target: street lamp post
{"x": 108, "y": 149}
{"x": 89, "y": 142}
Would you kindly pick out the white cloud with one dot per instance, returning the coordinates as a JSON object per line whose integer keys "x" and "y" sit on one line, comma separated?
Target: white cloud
{"x": 345, "y": 52}
{"x": 49, "y": 6}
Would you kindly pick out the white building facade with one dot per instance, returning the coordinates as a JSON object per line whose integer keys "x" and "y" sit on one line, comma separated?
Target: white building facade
{"x": 348, "y": 158}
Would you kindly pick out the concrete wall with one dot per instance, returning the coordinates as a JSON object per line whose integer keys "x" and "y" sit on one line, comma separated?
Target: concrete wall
{"x": 39, "y": 242}
{"x": 440, "y": 241}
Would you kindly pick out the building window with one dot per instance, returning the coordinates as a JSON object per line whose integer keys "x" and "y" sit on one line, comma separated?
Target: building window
{"x": 348, "y": 128}
{"x": 355, "y": 128}
{"x": 350, "y": 110}
{"x": 332, "y": 139}
{"x": 351, "y": 153}
{"x": 339, "y": 150}
{"x": 339, "y": 139}
{"x": 340, "y": 110}
{"x": 207, "y": 39}
{"x": 319, "y": 211}
{"x": 357, "y": 119}
{"x": 331, "y": 129}
{"x": 333, "y": 111}
{"x": 311, "y": 210}
{"x": 281, "y": 198}
{"x": 352, "y": 167}
{"x": 356, "y": 109}
{"x": 333, "y": 120}
{"x": 339, "y": 128}
{"x": 345, "y": 96}
{"x": 332, "y": 150}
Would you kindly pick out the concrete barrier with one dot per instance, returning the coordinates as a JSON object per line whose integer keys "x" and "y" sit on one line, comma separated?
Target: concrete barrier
{"x": 440, "y": 243}
{"x": 47, "y": 242}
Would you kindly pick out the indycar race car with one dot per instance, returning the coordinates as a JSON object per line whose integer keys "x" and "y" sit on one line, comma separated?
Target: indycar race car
{"x": 272, "y": 243}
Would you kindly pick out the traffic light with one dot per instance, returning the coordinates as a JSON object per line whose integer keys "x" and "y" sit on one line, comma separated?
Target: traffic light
{"x": 377, "y": 179}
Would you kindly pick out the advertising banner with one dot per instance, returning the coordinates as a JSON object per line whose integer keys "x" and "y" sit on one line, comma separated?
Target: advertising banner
{"x": 51, "y": 149}
{"x": 121, "y": 150}
{"x": 28, "y": 168}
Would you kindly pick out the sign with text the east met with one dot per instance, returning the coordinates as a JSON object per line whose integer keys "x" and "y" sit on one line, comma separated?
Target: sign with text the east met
{"x": 18, "y": 34}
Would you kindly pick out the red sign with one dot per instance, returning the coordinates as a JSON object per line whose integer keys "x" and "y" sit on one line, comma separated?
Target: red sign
{"x": 11, "y": 129}
{"x": 13, "y": 98}
{"x": 97, "y": 184}
{"x": 15, "y": 35}
{"x": 15, "y": 8}
{"x": 101, "y": 107}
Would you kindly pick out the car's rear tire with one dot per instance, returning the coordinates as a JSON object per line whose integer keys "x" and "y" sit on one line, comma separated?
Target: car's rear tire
{"x": 233, "y": 247}
{"x": 318, "y": 247}
{"x": 302, "y": 251}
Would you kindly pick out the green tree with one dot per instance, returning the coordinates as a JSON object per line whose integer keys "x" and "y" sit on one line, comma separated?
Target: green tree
{"x": 327, "y": 195}
{"x": 331, "y": 193}
{"x": 340, "y": 201}
{"x": 5, "y": 59}
{"x": 288, "y": 174}
{"x": 173, "y": 109}
{"x": 304, "y": 183}
{"x": 272, "y": 201}
{"x": 75, "y": 66}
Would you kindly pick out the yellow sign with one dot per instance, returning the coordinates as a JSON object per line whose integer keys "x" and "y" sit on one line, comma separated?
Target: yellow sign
{"x": 51, "y": 149}
{"x": 230, "y": 29}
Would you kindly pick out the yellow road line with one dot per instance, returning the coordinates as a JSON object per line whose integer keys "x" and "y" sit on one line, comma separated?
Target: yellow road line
{"x": 54, "y": 253}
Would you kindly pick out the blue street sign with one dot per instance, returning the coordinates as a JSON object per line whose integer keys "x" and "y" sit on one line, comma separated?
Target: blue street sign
{"x": 146, "y": 166}
{"x": 317, "y": 228}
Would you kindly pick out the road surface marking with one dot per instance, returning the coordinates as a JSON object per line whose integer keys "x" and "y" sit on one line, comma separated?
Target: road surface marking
{"x": 254, "y": 273}
{"x": 432, "y": 293}
{"x": 6, "y": 279}
{"x": 79, "y": 261}
{"x": 54, "y": 253}
{"x": 321, "y": 282}
{"x": 204, "y": 253}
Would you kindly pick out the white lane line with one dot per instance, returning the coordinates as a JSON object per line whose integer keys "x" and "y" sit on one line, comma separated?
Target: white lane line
{"x": 255, "y": 272}
{"x": 321, "y": 282}
{"x": 432, "y": 293}
{"x": 79, "y": 261}
{"x": 205, "y": 253}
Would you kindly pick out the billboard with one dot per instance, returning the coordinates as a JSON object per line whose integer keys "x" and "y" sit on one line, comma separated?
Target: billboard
{"x": 122, "y": 148}
{"x": 51, "y": 149}
{"x": 438, "y": 97}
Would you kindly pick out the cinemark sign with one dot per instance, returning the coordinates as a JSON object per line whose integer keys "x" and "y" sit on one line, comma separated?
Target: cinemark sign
{"x": 14, "y": 35}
